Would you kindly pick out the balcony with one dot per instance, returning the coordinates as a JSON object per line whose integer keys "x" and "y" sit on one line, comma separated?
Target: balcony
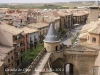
{"x": 19, "y": 56}
{"x": 18, "y": 40}
{"x": 19, "y": 48}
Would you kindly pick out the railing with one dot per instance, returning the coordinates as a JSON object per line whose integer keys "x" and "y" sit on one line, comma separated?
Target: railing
{"x": 18, "y": 40}
{"x": 18, "y": 56}
{"x": 19, "y": 48}
{"x": 34, "y": 63}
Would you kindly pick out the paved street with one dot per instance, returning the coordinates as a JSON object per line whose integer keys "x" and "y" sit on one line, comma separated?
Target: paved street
{"x": 67, "y": 40}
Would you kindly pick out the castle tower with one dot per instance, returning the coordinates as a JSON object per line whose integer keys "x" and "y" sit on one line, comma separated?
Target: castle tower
{"x": 51, "y": 41}
{"x": 93, "y": 13}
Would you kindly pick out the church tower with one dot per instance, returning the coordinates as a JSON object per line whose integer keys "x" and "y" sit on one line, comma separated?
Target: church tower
{"x": 51, "y": 41}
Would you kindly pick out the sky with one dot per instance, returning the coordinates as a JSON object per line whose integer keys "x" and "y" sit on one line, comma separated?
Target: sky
{"x": 38, "y": 1}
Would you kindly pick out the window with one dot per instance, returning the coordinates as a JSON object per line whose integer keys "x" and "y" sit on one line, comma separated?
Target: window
{"x": 12, "y": 57}
{"x": 94, "y": 40}
{"x": 8, "y": 60}
{"x": 56, "y": 48}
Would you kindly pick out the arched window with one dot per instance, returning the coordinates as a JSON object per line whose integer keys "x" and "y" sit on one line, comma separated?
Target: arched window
{"x": 94, "y": 40}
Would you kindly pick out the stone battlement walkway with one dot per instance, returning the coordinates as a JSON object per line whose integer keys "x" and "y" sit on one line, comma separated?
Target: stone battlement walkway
{"x": 41, "y": 64}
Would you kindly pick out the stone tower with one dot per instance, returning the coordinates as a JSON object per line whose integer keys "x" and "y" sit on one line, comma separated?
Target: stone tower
{"x": 93, "y": 13}
{"x": 51, "y": 41}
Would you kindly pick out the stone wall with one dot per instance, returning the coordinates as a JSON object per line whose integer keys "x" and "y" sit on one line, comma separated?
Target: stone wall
{"x": 33, "y": 64}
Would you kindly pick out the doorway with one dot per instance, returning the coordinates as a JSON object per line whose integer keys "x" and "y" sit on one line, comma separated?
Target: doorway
{"x": 69, "y": 69}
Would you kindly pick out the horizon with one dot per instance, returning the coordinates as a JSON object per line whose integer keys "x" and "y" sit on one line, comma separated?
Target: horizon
{"x": 44, "y": 1}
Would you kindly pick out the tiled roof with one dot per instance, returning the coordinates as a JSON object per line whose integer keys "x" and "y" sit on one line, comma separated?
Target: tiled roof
{"x": 10, "y": 29}
{"x": 51, "y": 35}
{"x": 88, "y": 26}
{"x": 28, "y": 30}
{"x": 83, "y": 35}
{"x": 38, "y": 25}
{"x": 95, "y": 30}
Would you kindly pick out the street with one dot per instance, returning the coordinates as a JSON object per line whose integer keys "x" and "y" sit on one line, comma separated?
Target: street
{"x": 67, "y": 40}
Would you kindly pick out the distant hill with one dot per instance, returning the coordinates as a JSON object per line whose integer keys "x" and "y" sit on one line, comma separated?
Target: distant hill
{"x": 47, "y": 5}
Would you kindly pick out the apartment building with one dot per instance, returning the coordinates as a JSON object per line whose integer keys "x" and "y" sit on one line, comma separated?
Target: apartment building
{"x": 66, "y": 19}
{"x": 41, "y": 27}
{"x": 7, "y": 19}
{"x": 8, "y": 58}
{"x": 80, "y": 18}
{"x": 31, "y": 37}
{"x": 19, "y": 22}
{"x": 13, "y": 37}
{"x": 2, "y": 72}
{"x": 52, "y": 17}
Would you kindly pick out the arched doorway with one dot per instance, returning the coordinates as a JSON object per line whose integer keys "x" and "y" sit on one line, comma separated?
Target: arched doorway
{"x": 69, "y": 69}
{"x": 58, "y": 66}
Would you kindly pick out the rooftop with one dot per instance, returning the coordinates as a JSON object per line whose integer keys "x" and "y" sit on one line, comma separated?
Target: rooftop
{"x": 11, "y": 29}
{"x": 4, "y": 50}
{"x": 28, "y": 30}
{"x": 90, "y": 25}
{"x": 51, "y": 35}
{"x": 95, "y": 30}
{"x": 38, "y": 25}
{"x": 83, "y": 35}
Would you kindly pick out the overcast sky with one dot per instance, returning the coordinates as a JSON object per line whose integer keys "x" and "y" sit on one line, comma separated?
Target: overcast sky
{"x": 38, "y": 1}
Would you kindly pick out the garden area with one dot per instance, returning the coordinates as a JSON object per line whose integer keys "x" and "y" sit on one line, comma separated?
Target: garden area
{"x": 30, "y": 55}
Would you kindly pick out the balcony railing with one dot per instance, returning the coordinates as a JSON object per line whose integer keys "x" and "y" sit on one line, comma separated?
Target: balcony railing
{"x": 17, "y": 40}
{"x": 19, "y": 56}
{"x": 19, "y": 48}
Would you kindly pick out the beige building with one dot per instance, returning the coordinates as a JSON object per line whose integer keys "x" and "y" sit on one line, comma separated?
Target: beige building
{"x": 7, "y": 56}
{"x": 90, "y": 37}
{"x": 50, "y": 17}
{"x": 41, "y": 27}
{"x": 93, "y": 13}
{"x": 13, "y": 37}
{"x": 2, "y": 72}
{"x": 30, "y": 35}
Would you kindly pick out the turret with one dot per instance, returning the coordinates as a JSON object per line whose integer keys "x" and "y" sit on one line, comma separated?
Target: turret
{"x": 51, "y": 41}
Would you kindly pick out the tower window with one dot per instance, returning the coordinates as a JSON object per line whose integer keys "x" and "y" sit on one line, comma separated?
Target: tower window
{"x": 94, "y": 40}
{"x": 56, "y": 48}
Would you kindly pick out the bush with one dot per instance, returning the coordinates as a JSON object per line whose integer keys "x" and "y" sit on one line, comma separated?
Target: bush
{"x": 31, "y": 54}
{"x": 63, "y": 32}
